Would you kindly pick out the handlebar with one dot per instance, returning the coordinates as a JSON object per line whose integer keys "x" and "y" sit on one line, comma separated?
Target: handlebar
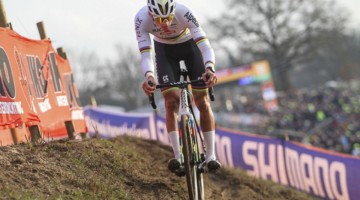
{"x": 151, "y": 97}
{"x": 180, "y": 84}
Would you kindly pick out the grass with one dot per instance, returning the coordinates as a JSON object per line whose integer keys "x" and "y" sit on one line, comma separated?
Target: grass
{"x": 120, "y": 168}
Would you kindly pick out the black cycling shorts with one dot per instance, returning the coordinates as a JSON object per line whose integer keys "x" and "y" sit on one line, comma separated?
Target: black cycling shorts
{"x": 168, "y": 57}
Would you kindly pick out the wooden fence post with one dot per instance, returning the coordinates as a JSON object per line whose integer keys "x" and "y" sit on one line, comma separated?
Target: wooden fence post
{"x": 61, "y": 52}
{"x": 3, "y": 19}
{"x": 35, "y": 134}
{"x": 41, "y": 29}
{"x": 70, "y": 129}
{"x": 14, "y": 135}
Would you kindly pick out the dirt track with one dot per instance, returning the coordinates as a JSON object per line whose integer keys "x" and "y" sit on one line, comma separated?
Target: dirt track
{"x": 120, "y": 168}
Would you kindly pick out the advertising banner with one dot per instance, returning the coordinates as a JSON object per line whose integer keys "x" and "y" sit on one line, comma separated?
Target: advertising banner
{"x": 323, "y": 173}
{"x": 36, "y": 87}
{"x": 112, "y": 124}
{"x": 313, "y": 170}
{"x": 319, "y": 172}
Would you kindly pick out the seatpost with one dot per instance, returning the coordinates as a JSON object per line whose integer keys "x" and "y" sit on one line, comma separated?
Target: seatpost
{"x": 184, "y": 73}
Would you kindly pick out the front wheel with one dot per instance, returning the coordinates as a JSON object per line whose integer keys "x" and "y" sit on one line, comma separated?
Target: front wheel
{"x": 190, "y": 168}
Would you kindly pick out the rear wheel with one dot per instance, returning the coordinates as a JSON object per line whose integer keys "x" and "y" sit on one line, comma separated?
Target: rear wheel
{"x": 190, "y": 169}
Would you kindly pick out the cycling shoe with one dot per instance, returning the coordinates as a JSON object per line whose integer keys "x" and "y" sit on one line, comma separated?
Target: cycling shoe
{"x": 180, "y": 172}
{"x": 173, "y": 165}
{"x": 213, "y": 165}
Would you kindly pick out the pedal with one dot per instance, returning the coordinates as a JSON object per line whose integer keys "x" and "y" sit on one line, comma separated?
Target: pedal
{"x": 201, "y": 170}
{"x": 202, "y": 167}
{"x": 202, "y": 156}
{"x": 180, "y": 172}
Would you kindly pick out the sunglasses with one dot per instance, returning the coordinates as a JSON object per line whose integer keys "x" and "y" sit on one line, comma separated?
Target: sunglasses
{"x": 160, "y": 20}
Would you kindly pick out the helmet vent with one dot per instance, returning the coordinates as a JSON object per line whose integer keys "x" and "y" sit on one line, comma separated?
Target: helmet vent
{"x": 166, "y": 7}
{"x": 171, "y": 9}
{"x": 162, "y": 8}
{"x": 156, "y": 11}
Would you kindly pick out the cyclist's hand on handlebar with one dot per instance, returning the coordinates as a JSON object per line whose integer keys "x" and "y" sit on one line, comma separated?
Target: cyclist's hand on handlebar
{"x": 149, "y": 85}
{"x": 209, "y": 78}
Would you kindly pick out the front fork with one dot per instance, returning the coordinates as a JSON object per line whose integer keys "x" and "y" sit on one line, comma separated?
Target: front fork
{"x": 184, "y": 109}
{"x": 198, "y": 157}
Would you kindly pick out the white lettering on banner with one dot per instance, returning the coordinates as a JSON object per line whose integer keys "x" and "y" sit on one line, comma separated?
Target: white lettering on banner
{"x": 62, "y": 100}
{"x": 11, "y": 108}
{"x": 321, "y": 170}
{"x": 260, "y": 168}
{"x": 224, "y": 150}
{"x": 162, "y": 132}
{"x": 77, "y": 114}
{"x": 108, "y": 130}
{"x": 337, "y": 169}
{"x": 45, "y": 106}
{"x": 305, "y": 172}
{"x": 251, "y": 159}
{"x": 281, "y": 165}
{"x": 293, "y": 168}
{"x": 270, "y": 168}
{"x": 334, "y": 188}
{"x": 33, "y": 105}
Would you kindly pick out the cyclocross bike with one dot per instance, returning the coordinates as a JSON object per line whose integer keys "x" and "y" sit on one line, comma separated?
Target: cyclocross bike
{"x": 193, "y": 159}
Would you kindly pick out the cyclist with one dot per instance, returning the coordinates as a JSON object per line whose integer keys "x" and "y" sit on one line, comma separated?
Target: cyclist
{"x": 177, "y": 36}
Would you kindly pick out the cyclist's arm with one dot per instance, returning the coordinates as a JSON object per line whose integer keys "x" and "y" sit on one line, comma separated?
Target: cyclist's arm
{"x": 144, "y": 43}
{"x": 199, "y": 37}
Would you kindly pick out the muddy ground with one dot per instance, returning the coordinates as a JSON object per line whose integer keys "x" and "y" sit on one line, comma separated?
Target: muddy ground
{"x": 119, "y": 168}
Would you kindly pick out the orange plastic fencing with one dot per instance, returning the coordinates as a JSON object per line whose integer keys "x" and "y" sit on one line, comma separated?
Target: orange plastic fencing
{"x": 36, "y": 89}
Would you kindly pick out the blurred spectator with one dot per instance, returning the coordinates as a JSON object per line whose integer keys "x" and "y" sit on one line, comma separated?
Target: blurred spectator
{"x": 356, "y": 150}
{"x": 327, "y": 117}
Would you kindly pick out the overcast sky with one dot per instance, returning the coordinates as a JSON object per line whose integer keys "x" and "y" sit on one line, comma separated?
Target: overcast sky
{"x": 96, "y": 26}
{"x": 87, "y": 25}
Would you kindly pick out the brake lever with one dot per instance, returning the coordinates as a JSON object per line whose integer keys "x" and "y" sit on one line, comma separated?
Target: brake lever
{"x": 211, "y": 89}
{"x": 151, "y": 97}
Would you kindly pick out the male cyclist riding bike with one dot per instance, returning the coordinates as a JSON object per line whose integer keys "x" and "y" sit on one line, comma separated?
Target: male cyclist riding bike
{"x": 177, "y": 36}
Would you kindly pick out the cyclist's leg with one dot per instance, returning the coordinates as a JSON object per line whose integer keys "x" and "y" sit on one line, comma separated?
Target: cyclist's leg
{"x": 168, "y": 70}
{"x": 196, "y": 68}
{"x": 207, "y": 123}
{"x": 172, "y": 107}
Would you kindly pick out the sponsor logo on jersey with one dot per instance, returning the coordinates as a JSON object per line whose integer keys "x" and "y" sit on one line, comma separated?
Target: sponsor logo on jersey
{"x": 137, "y": 26}
{"x": 167, "y": 32}
{"x": 190, "y": 17}
{"x": 156, "y": 30}
{"x": 165, "y": 78}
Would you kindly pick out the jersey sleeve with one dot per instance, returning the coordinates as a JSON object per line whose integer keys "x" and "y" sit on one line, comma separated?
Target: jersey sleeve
{"x": 199, "y": 37}
{"x": 144, "y": 44}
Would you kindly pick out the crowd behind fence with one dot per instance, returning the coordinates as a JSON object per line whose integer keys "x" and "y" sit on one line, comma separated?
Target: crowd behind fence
{"x": 327, "y": 116}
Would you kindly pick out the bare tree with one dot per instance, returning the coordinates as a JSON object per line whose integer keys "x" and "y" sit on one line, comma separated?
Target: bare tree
{"x": 287, "y": 33}
{"x": 89, "y": 75}
{"x": 114, "y": 83}
{"x": 127, "y": 77}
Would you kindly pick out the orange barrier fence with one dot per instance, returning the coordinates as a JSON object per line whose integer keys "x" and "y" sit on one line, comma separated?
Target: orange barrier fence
{"x": 38, "y": 96}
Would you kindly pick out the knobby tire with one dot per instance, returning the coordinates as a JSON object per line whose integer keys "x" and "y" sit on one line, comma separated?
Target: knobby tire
{"x": 199, "y": 175}
{"x": 187, "y": 152}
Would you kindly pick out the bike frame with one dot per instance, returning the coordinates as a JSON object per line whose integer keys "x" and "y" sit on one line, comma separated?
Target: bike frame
{"x": 193, "y": 160}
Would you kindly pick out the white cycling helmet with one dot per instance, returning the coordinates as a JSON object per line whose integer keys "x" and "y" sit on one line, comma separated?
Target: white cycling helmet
{"x": 161, "y": 8}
